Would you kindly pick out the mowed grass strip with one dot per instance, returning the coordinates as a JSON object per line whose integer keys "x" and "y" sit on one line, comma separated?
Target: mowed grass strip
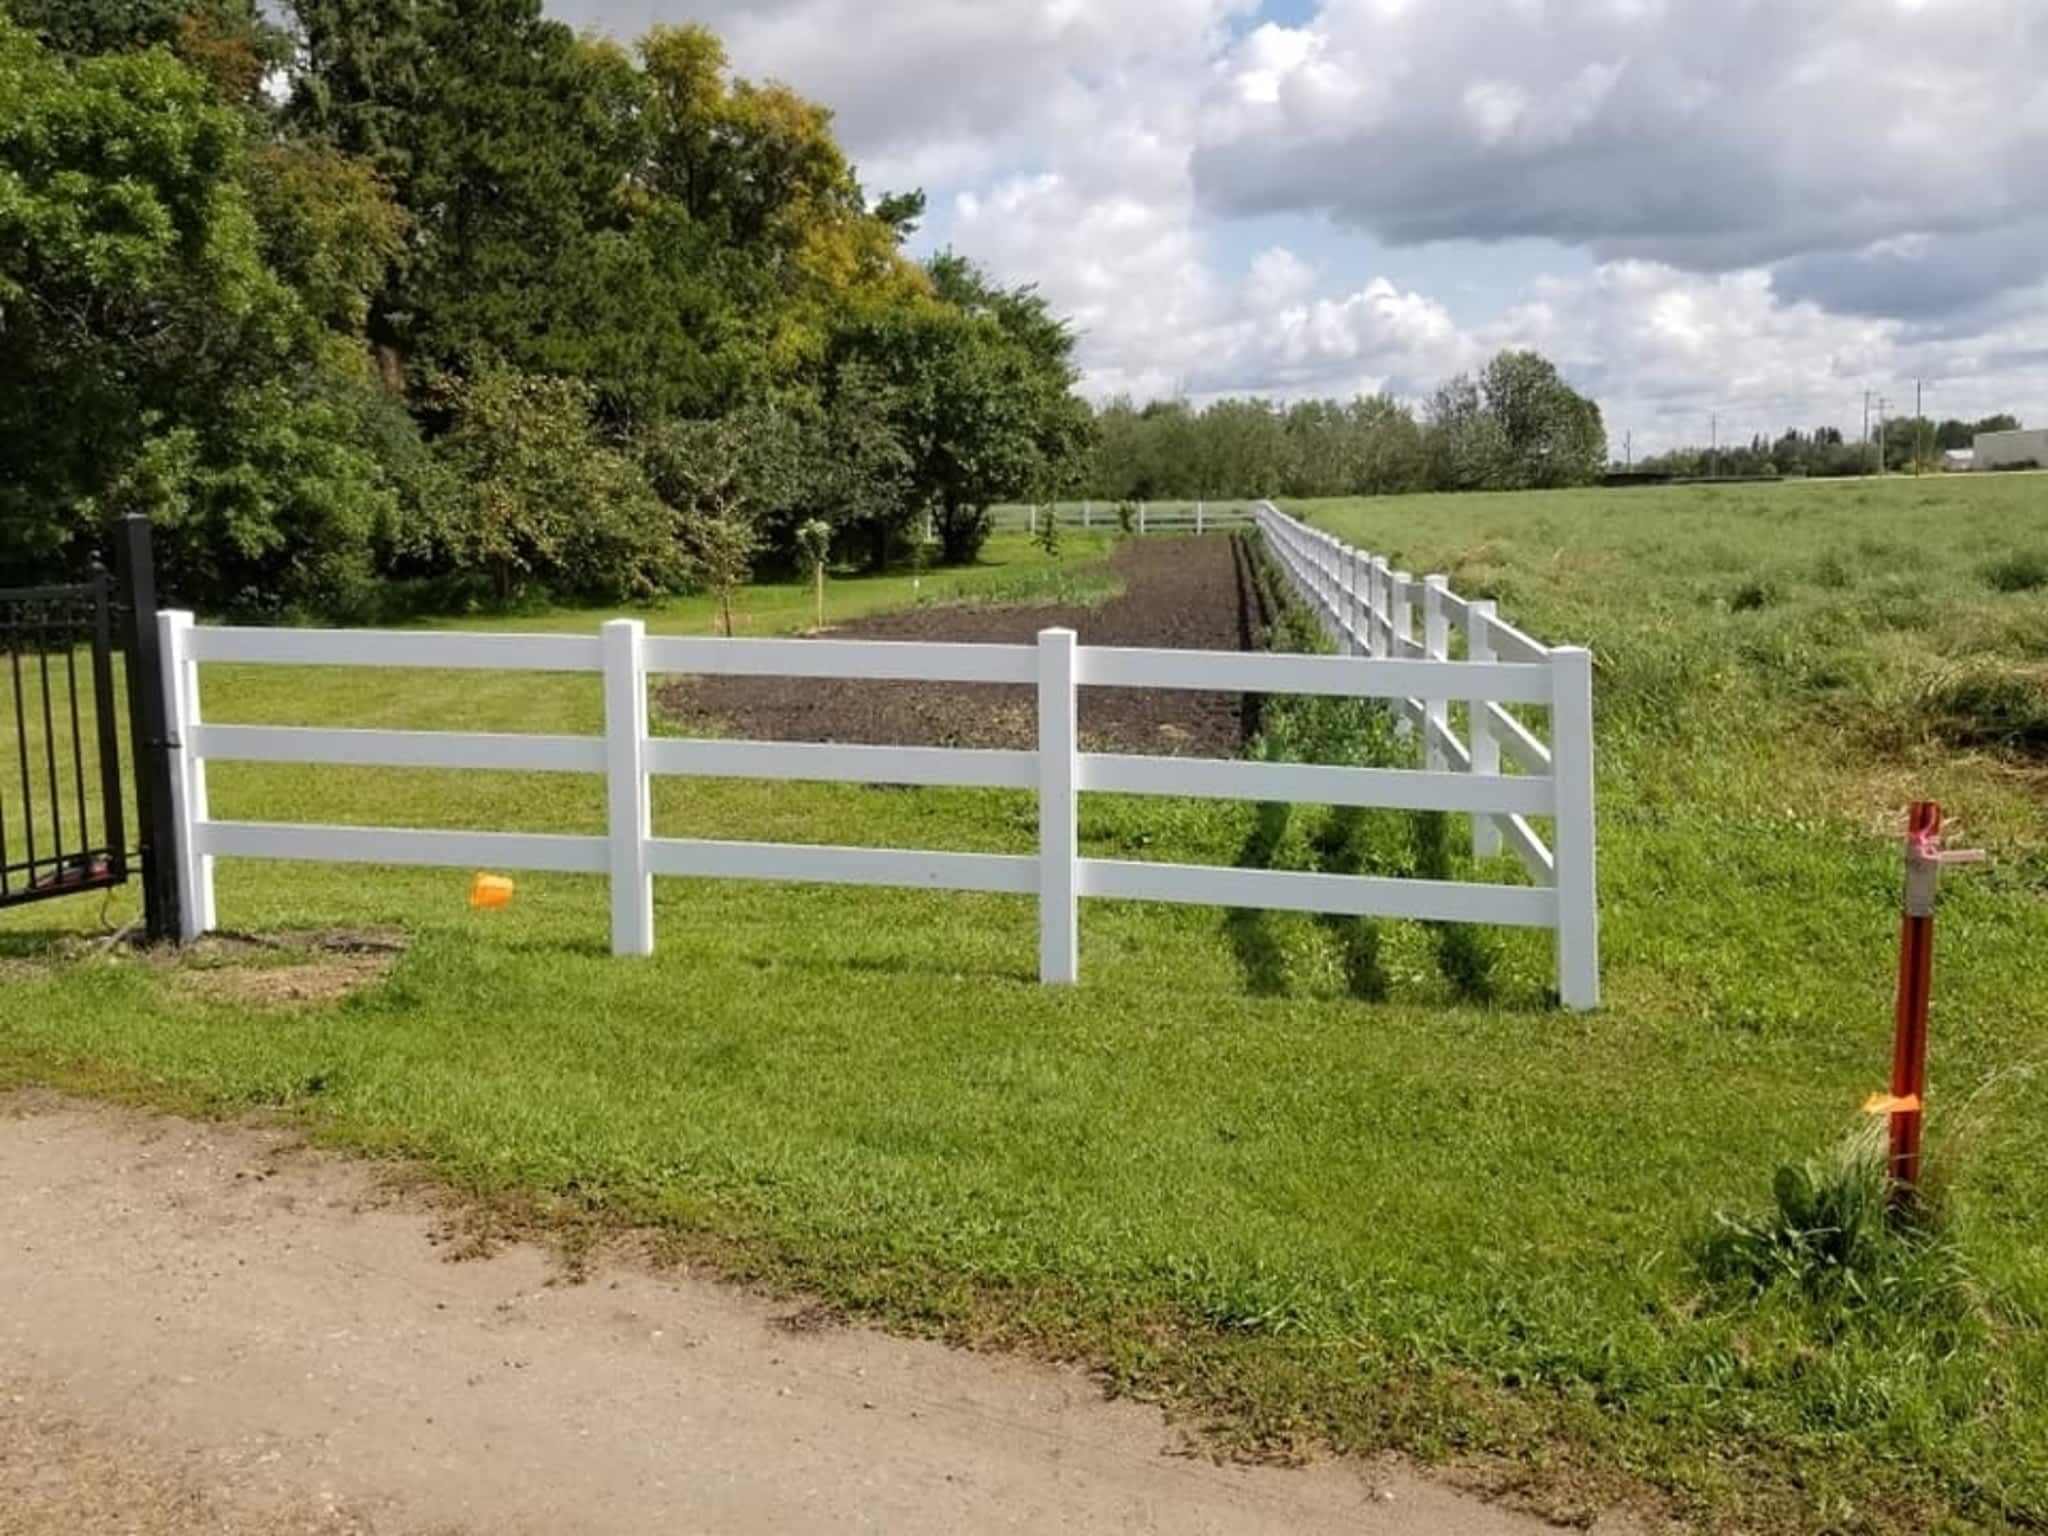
{"x": 1465, "y": 1231}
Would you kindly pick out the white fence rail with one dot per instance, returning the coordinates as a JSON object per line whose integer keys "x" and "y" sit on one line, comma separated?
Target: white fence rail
{"x": 1146, "y": 516}
{"x": 629, "y": 853}
{"x": 1371, "y": 610}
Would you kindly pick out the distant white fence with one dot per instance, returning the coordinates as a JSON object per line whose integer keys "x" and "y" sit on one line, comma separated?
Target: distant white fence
{"x": 1058, "y": 771}
{"x": 1371, "y": 610}
{"x": 1146, "y": 516}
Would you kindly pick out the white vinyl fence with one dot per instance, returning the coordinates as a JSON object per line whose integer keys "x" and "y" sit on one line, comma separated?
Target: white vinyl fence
{"x": 1146, "y": 516}
{"x": 1057, "y": 770}
{"x": 1372, "y": 611}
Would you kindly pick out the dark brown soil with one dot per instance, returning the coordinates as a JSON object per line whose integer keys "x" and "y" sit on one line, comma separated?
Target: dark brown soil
{"x": 1179, "y": 593}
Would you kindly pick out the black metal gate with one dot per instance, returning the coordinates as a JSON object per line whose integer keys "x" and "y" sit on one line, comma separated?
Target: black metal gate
{"x": 63, "y": 821}
{"x": 62, "y": 824}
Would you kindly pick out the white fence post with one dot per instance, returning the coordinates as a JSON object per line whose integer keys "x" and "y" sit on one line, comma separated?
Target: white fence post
{"x": 1141, "y": 517}
{"x": 1361, "y": 600}
{"x": 180, "y": 684}
{"x": 1400, "y": 631}
{"x": 1031, "y": 521}
{"x": 1381, "y": 621}
{"x": 1571, "y": 767}
{"x": 1436, "y": 645}
{"x": 1345, "y": 601}
{"x": 1059, "y": 928}
{"x": 629, "y": 812}
{"x": 1198, "y": 517}
{"x": 1340, "y": 593}
{"x": 1485, "y": 745}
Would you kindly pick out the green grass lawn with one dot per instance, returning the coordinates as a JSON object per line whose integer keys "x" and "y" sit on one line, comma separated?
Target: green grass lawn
{"x": 1473, "y": 1232}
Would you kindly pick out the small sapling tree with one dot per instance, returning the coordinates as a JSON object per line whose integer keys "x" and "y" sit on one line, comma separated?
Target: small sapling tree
{"x": 814, "y": 538}
{"x": 720, "y": 548}
{"x": 1047, "y": 534}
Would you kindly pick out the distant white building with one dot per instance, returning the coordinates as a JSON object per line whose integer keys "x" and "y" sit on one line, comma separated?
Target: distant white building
{"x": 2012, "y": 450}
{"x": 1958, "y": 458}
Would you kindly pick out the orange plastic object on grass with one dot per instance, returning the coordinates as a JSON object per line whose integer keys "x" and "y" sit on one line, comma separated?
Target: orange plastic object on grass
{"x": 490, "y": 891}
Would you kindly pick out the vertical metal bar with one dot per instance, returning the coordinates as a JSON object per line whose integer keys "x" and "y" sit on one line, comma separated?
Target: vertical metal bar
{"x": 1916, "y": 987}
{"x": 50, "y": 750}
{"x": 6, "y": 879}
{"x": 28, "y": 796}
{"x": 149, "y": 732}
{"x": 77, "y": 746}
{"x": 115, "y": 813}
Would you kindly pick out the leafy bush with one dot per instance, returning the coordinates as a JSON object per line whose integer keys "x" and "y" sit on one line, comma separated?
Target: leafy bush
{"x": 962, "y": 531}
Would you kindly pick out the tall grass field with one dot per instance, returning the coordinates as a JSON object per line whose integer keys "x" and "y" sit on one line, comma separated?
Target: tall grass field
{"x": 1636, "y": 1256}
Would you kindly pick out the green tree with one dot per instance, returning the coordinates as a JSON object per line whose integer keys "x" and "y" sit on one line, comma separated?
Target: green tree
{"x": 507, "y": 139}
{"x": 1550, "y": 435}
{"x": 327, "y": 225}
{"x": 1464, "y": 448}
{"x": 542, "y": 503}
{"x": 273, "y": 505}
{"x": 228, "y": 43}
{"x": 78, "y": 27}
{"x": 963, "y": 406}
{"x": 1383, "y": 454}
{"x": 154, "y": 362}
{"x": 864, "y": 489}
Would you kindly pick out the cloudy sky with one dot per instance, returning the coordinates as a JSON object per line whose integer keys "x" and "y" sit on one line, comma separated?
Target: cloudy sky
{"x": 1756, "y": 208}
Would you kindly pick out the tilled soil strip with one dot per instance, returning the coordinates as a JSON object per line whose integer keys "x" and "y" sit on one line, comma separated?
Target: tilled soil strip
{"x": 1179, "y": 593}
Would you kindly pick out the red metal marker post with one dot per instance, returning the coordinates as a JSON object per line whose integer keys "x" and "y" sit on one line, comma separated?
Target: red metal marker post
{"x": 1907, "y": 1104}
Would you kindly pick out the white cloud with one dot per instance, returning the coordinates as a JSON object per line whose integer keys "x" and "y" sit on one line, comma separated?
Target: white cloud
{"x": 1712, "y": 134}
{"x": 1784, "y": 203}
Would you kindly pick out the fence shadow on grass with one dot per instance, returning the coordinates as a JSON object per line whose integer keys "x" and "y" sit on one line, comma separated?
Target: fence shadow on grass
{"x": 1250, "y": 929}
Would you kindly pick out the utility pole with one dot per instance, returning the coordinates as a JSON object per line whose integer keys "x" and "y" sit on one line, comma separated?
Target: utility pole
{"x": 1883, "y": 405}
{"x": 1628, "y": 448}
{"x": 1866, "y": 431}
{"x": 1919, "y": 426}
{"x": 1713, "y": 444}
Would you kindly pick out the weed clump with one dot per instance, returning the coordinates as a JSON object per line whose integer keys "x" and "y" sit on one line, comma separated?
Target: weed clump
{"x": 1833, "y": 1241}
{"x": 2023, "y": 570}
{"x": 1752, "y": 596}
{"x": 1833, "y": 573}
{"x": 1987, "y": 705}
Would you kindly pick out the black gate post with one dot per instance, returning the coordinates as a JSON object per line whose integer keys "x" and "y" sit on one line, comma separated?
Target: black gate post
{"x": 149, "y": 729}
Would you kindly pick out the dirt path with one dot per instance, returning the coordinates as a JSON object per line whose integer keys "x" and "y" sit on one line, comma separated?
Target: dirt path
{"x": 1179, "y": 593}
{"x": 209, "y": 1328}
